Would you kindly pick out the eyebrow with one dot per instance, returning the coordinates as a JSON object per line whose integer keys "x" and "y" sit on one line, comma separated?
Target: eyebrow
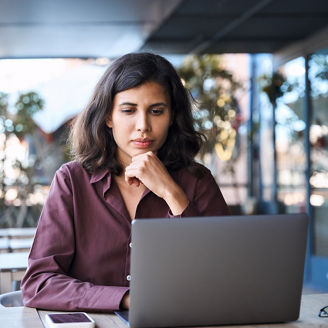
{"x": 159, "y": 104}
{"x": 152, "y": 105}
{"x": 127, "y": 104}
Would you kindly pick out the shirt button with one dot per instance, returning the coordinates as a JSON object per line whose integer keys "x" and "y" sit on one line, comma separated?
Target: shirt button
{"x": 128, "y": 277}
{"x": 130, "y": 245}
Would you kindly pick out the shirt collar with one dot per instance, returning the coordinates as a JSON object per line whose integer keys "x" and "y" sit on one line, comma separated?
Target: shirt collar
{"x": 102, "y": 175}
{"x": 98, "y": 175}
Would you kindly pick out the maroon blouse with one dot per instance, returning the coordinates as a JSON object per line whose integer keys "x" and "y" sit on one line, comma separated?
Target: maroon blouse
{"x": 80, "y": 257}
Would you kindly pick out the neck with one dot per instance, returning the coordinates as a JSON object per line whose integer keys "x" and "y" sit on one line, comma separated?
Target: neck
{"x": 124, "y": 161}
{"x": 120, "y": 178}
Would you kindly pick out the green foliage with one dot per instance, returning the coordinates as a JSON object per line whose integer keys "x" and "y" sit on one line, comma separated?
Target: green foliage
{"x": 275, "y": 86}
{"x": 3, "y": 104}
{"x": 19, "y": 124}
{"x": 216, "y": 114}
{"x": 26, "y": 105}
{"x": 22, "y": 122}
{"x": 322, "y": 63}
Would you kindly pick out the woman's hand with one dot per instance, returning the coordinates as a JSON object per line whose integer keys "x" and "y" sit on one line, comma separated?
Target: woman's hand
{"x": 148, "y": 169}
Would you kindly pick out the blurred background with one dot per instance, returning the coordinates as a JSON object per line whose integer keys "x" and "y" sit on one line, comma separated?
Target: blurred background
{"x": 257, "y": 68}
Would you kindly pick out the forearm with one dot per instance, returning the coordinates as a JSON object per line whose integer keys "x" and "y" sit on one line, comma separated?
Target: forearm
{"x": 203, "y": 194}
{"x": 176, "y": 199}
{"x": 60, "y": 292}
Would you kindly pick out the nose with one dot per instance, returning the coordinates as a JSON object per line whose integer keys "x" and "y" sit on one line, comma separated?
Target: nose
{"x": 143, "y": 123}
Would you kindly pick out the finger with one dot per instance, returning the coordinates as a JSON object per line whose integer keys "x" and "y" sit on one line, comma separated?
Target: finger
{"x": 132, "y": 180}
{"x": 136, "y": 182}
{"x": 136, "y": 169}
{"x": 143, "y": 156}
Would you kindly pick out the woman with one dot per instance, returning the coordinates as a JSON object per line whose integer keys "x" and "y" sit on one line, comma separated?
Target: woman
{"x": 134, "y": 146}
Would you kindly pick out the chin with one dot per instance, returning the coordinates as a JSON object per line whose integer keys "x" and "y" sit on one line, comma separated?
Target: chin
{"x": 143, "y": 151}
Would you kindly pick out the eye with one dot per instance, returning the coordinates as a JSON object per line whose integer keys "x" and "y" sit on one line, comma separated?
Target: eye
{"x": 157, "y": 111}
{"x": 128, "y": 110}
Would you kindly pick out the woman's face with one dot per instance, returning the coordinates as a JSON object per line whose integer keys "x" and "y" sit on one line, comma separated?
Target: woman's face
{"x": 140, "y": 120}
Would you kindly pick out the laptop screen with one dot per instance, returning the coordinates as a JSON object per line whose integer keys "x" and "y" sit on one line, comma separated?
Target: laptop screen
{"x": 217, "y": 270}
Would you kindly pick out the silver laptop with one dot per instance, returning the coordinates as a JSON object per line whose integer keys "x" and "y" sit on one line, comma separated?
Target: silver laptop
{"x": 216, "y": 270}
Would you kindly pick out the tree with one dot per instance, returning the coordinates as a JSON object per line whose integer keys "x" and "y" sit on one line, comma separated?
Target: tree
{"x": 16, "y": 175}
{"x": 217, "y": 113}
{"x": 275, "y": 86}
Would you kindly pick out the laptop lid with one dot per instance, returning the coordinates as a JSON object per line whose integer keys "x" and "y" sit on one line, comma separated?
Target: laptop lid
{"x": 217, "y": 270}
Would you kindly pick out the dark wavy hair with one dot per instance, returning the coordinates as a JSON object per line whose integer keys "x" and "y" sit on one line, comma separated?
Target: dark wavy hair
{"x": 92, "y": 142}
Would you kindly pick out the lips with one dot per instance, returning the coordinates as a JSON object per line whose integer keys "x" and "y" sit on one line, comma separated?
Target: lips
{"x": 142, "y": 142}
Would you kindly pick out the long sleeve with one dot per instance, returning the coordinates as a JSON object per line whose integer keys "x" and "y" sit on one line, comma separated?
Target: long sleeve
{"x": 80, "y": 258}
{"x": 49, "y": 282}
{"x": 205, "y": 197}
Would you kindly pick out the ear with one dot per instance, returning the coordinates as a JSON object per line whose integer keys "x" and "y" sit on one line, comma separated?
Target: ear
{"x": 109, "y": 122}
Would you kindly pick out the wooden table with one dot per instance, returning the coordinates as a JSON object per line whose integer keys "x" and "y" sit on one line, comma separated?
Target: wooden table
{"x": 22, "y": 317}
{"x": 9, "y": 245}
{"x": 12, "y": 268}
{"x": 19, "y": 317}
{"x": 13, "y": 261}
{"x": 17, "y": 232}
{"x": 16, "y": 239}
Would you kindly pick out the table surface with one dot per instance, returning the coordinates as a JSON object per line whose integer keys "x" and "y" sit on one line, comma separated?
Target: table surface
{"x": 13, "y": 261}
{"x": 17, "y": 232}
{"x": 23, "y": 317}
{"x": 9, "y": 244}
